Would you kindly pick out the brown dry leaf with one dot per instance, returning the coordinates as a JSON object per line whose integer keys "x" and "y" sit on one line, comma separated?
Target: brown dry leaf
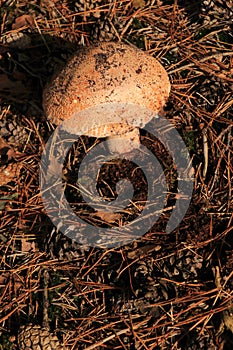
{"x": 27, "y": 246}
{"x": 143, "y": 251}
{"x": 107, "y": 217}
{"x": 13, "y": 154}
{"x": 138, "y": 3}
{"x": 8, "y": 151}
{"x": 3, "y": 143}
{"x": 23, "y": 21}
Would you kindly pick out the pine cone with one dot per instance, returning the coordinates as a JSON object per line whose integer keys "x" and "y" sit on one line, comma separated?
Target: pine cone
{"x": 12, "y": 132}
{"x": 17, "y": 40}
{"x": 215, "y": 10}
{"x": 89, "y": 8}
{"x": 37, "y": 338}
{"x": 9, "y": 172}
{"x": 185, "y": 265}
{"x": 106, "y": 30}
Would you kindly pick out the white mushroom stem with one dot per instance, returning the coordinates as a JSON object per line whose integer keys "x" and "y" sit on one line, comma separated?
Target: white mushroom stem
{"x": 123, "y": 143}
{"x": 118, "y": 122}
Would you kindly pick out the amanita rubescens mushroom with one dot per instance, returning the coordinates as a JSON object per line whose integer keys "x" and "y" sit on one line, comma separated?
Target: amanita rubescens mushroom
{"x": 108, "y": 73}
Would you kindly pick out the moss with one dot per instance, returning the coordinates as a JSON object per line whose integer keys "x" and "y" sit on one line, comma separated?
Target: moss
{"x": 5, "y": 342}
{"x": 190, "y": 140}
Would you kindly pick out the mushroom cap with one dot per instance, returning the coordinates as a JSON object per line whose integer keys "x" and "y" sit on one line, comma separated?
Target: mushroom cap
{"x": 107, "y": 73}
{"x": 108, "y": 119}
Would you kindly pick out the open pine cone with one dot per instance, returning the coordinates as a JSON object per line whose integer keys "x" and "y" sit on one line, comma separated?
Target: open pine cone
{"x": 106, "y": 30}
{"x": 37, "y": 338}
{"x": 12, "y": 132}
{"x": 214, "y": 11}
{"x": 9, "y": 173}
{"x": 89, "y": 7}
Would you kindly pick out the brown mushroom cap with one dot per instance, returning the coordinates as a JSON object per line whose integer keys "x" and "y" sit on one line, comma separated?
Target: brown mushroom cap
{"x": 107, "y": 73}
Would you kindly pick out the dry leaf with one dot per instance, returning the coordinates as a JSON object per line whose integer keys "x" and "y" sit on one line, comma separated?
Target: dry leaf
{"x": 3, "y": 144}
{"x": 143, "y": 251}
{"x": 11, "y": 153}
{"x": 23, "y": 21}
{"x": 27, "y": 246}
{"x": 107, "y": 217}
{"x": 138, "y": 3}
{"x": 6, "y": 150}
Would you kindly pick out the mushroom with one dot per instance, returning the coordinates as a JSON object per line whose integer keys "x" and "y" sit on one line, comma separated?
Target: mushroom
{"x": 108, "y": 76}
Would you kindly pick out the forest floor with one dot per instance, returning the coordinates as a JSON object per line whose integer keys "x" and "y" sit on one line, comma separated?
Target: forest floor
{"x": 162, "y": 291}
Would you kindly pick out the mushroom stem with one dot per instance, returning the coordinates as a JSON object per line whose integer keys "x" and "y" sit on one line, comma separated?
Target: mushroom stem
{"x": 124, "y": 143}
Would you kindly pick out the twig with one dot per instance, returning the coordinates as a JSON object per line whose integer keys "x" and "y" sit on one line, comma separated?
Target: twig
{"x": 45, "y": 300}
{"x": 204, "y": 59}
{"x": 205, "y": 152}
{"x": 122, "y": 331}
